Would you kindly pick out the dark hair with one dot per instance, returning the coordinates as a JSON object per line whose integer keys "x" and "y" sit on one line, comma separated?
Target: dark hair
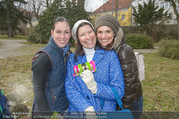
{"x": 79, "y": 50}
{"x": 60, "y": 19}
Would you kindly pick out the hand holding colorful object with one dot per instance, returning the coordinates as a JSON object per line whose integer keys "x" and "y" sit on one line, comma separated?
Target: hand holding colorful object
{"x": 88, "y": 78}
{"x": 78, "y": 69}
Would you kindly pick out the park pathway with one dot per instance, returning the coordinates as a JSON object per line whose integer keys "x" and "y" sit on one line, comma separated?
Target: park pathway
{"x": 154, "y": 50}
{"x": 8, "y": 48}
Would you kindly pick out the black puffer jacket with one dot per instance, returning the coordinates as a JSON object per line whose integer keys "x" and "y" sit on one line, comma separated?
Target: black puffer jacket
{"x": 133, "y": 88}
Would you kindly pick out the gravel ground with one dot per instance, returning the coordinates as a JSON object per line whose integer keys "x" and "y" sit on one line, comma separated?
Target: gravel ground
{"x": 8, "y": 48}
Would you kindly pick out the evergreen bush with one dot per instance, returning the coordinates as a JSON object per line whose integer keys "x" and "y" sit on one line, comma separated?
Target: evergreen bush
{"x": 33, "y": 36}
{"x": 139, "y": 41}
{"x": 169, "y": 49}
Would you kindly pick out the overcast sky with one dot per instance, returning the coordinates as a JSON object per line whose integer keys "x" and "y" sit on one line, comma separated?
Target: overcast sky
{"x": 92, "y": 5}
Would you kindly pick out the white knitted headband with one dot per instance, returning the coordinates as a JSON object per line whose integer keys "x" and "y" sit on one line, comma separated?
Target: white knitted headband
{"x": 75, "y": 26}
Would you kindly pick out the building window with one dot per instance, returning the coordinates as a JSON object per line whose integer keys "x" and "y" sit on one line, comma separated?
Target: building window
{"x": 177, "y": 7}
{"x": 169, "y": 5}
{"x": 157, "y": 4}
{"x": 170, "y": 14}
{"x": 162, "y": 4}
{"x": 123, "y": 17}
{"x": 166, "y": 5}
{"x": 167, "y": 22}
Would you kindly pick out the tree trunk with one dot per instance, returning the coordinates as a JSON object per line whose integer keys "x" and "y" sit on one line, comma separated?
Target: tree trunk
{"x": 10, "y": 31}
{"x": 81, "y": 3}
{"x": 30, "y": 23}
{"x": 47, "y": 4}
{"x": 116, "y": 8}
{"x": 73, "y": 0}
{"x": 177, "y": 27}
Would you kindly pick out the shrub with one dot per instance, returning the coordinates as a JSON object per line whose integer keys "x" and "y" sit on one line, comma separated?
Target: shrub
{"x": 139, "y": 41}
{"x": 33, "y": 36}
{"x": 169, "y": 49}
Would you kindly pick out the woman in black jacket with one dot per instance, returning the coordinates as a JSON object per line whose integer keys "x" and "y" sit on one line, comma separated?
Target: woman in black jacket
{"x": 111, "y": 37}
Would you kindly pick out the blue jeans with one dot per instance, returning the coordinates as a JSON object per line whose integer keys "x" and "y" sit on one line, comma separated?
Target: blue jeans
{"x": 137, "y": 108}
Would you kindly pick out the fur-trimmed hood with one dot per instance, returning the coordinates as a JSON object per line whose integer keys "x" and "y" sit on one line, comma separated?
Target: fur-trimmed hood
{"x": 119, "y": 40}
{"x": 110, "y": 21}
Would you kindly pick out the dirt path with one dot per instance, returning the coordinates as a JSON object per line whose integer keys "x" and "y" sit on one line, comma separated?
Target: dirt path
{"x": 154, "y": 50}
{"x": 8, "y": 48}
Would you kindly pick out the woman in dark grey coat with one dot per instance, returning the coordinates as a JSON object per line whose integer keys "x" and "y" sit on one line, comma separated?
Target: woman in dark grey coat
{"x": 111, "y": 37}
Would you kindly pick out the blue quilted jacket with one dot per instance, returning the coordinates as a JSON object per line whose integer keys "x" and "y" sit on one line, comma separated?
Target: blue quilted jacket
{"x": 108, "y": 74}
{"x": 55, "y": 86}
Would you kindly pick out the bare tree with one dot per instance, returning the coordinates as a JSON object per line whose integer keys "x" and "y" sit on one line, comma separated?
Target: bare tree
{"x": 81, "y": 3}
{"x": 29, "y": 16}
{"x": 37, "y": 7}
{"x": 116, "y": 7}
{"x": 28, "y": 13}
{"x": 47, "y": 3}
{"x": 174, "y": 4}
{"x": 86, "y": 5}
{"x": 73, "y": 0}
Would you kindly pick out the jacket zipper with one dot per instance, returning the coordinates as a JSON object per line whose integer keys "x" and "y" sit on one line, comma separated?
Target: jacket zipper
{"x": 53, "y": 97}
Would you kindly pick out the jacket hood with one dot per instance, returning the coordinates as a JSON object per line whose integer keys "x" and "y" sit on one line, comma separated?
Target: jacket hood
{"x": 119, "y": 40}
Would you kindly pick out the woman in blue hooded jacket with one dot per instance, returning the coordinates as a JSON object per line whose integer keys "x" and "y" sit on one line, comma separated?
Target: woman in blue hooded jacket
{"x": 86, "y": 91}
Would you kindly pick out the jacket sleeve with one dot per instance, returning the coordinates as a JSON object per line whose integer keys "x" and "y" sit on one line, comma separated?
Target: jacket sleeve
{"x": 129, "y": 66}
{"x": 76, "y": 99}
{"x": 41, "y": 66}
{"x": 116, "y": 80}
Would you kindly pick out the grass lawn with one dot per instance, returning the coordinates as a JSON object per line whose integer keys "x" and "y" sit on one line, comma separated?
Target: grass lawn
{"x": 14, "y": 38}
{"x": 160, "y": 88}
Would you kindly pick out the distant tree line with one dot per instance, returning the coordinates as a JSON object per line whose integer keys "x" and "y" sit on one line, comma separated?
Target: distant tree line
{"x": 13, "y": 13}
{"x": 16, "y": 12}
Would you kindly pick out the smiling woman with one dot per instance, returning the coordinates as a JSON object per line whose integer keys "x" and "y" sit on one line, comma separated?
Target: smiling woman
{"x": 91, "y": 88}
{"x": 111, "y": 37}
{"x": 49, "y": 69}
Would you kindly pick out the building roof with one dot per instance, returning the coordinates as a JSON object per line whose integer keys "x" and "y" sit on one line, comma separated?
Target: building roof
{"x": 120, "y": 4}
